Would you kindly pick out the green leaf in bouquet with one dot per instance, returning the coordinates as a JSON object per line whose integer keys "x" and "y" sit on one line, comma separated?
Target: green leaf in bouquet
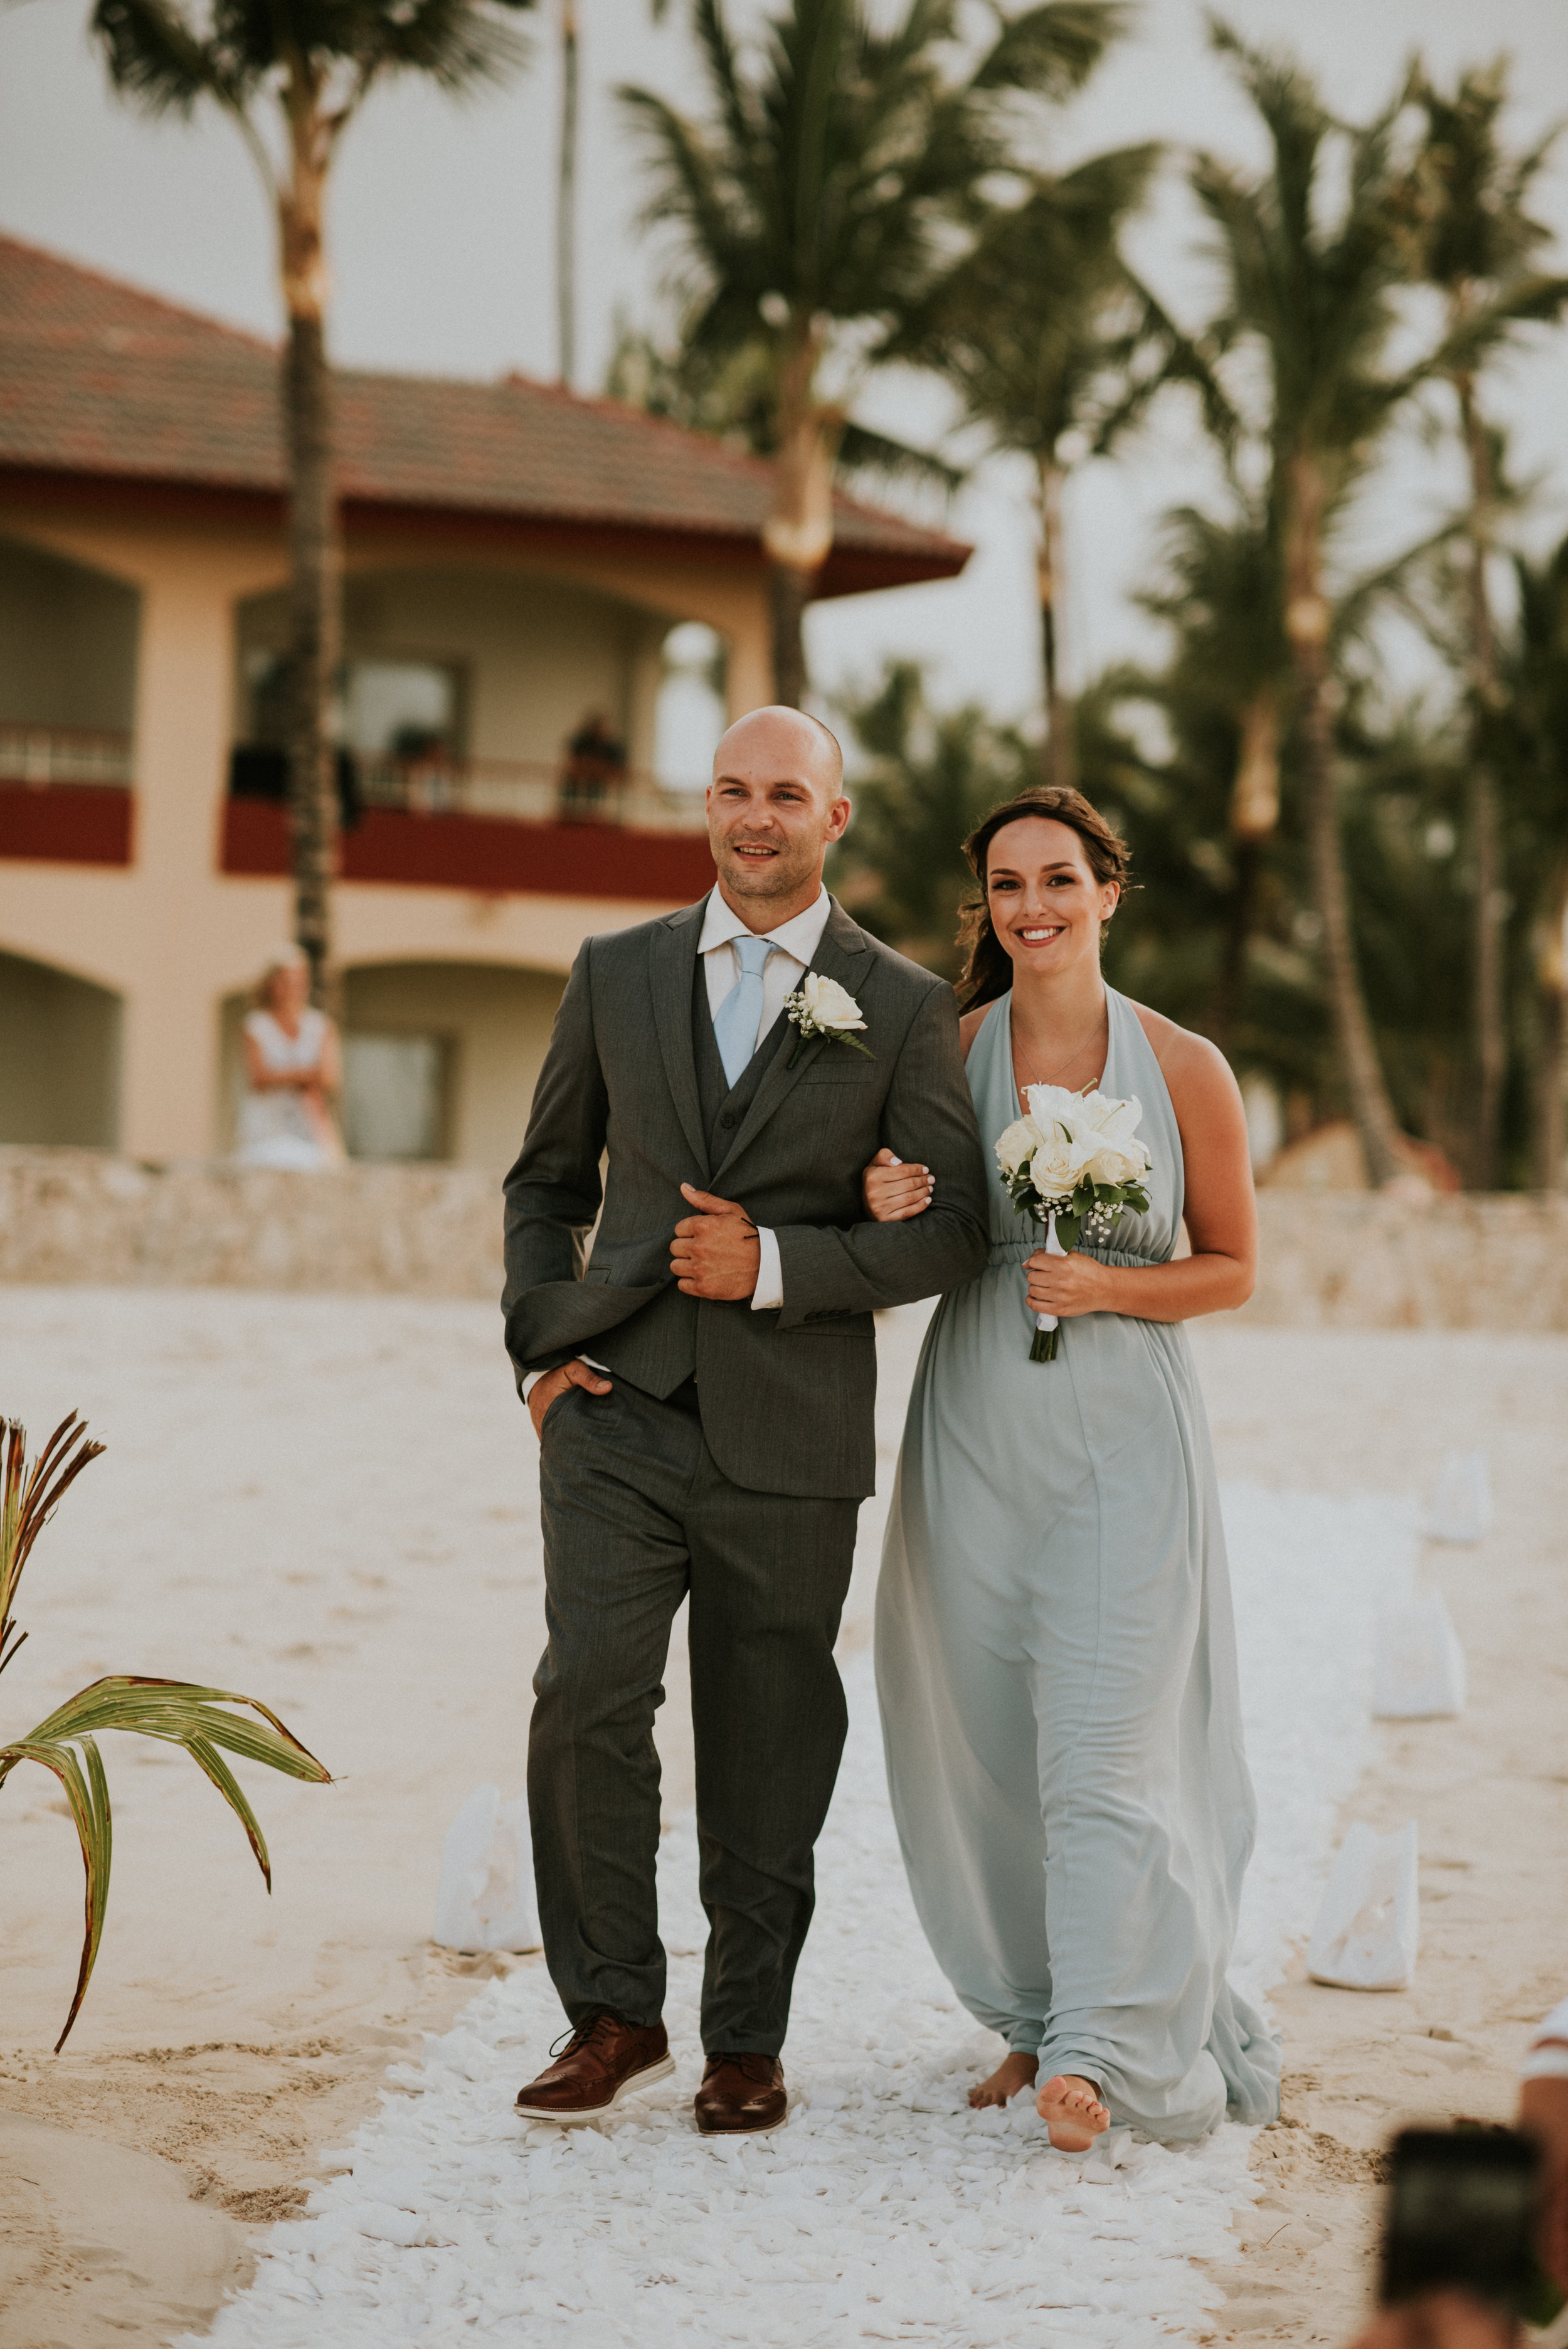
{"x": 1067, "y": 1228}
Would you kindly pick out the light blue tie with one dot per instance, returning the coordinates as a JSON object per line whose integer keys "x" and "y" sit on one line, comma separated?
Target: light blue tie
{"x": 740, "y": 1014}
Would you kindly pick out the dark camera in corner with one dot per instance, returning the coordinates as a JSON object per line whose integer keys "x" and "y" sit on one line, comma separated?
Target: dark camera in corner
{"x": 1463, "y": 2214}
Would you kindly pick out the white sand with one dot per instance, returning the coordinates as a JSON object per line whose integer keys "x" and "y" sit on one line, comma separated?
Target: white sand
{"x": 331, "y": 1504}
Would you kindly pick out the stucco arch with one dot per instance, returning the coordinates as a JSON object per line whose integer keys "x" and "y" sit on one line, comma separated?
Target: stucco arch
{"x": 60, "y": 1068}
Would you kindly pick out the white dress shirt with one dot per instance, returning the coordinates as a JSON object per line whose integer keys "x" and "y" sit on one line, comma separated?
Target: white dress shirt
{"x": 797, "y": 941}
{"x": 1548, "y": 2057}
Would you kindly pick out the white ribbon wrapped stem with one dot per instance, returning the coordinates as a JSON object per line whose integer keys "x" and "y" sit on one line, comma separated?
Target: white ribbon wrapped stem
{"x": 1053, "y": 1247}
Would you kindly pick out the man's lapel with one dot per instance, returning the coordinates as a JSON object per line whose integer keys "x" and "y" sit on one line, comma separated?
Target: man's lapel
{"x": 672, "y": 955}
{"x": 842, "y": 953}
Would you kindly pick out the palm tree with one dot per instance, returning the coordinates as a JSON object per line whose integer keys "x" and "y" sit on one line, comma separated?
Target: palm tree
{"x": 1230, "y": 669}
{"x": 1312, "y": 259}
{"x": 1528, "y": 744}
{"x": 1465, "y": 202}
{"x": 566, "y": 201}
{"x": 928, "y": 779}
{"x": 314, "y": 61}
{"x": 816, "y": 204}
{"x": 1054, "y": 346}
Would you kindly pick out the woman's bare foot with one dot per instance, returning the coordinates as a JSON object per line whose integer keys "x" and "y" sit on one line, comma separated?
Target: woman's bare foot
{"x": 1012, "y": 2075}
{"x": 1072, "y": 2111}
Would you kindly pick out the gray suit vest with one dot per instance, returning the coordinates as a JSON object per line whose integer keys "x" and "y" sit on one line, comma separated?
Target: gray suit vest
{"x": 655, "y": 1349}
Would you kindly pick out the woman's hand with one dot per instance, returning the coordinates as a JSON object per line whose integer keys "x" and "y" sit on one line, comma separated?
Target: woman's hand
{"x": 1066, "y": 1285}
{"x": 894, "y": 1192}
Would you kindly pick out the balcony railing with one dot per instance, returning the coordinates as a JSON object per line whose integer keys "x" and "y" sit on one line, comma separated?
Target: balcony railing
{"x": 65, "y": 794}
{"x": 491, "y": 825}
{"x": 40, "y": 755}
{"x": 528, "y": 790}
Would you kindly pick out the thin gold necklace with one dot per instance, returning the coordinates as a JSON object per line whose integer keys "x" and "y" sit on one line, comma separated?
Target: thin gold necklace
{"x": 1071, "y": 1057}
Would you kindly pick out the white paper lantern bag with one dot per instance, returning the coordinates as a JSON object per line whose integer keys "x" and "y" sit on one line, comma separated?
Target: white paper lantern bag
{"x": 485, "y": 1899}
{"x": 1368, "y": 1926}
{"x": 1462, "y": 1506}
{"x": 1420, "y": 1665}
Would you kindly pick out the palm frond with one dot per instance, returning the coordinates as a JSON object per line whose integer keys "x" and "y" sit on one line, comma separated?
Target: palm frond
{"x": 178, "y": 1712}
{"x": 29, "y": 1500}
{"x": 86, "y": 1792}
{"x": 861, "y": 450}
{"x": 163, "y": 57}
{"x": 1051, "y": 50}
{"x": 161, "y": 63}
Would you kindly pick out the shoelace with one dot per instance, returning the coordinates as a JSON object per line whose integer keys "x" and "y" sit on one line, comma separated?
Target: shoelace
{"x": 582, "y": 2035}
{"x": 759, "y": 2069}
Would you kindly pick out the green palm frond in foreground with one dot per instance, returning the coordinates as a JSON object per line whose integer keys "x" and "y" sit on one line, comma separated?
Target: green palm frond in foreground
{"x": 180, "y": 1713}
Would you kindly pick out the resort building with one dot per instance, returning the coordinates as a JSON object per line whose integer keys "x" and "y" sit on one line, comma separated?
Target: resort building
{"x": 552, "y": 606}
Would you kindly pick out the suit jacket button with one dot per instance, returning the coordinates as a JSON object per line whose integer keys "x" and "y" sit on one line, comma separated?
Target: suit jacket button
{"x": 727, "y": 1117}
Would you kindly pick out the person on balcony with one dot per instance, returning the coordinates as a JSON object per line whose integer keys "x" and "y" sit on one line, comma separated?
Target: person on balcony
{"x": 594, "y": 771}
{"x": 294, "y": 1069}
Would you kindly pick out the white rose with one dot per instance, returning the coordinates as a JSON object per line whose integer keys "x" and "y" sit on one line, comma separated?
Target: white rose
{"x": 1013, "y": 1147}
{"x": 1057, "y": 1166}
{"x": 831, "y": 1005}
{"x": 1110, "y": 1165}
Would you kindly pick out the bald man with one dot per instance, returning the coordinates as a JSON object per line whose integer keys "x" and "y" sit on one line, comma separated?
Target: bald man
{"x": 702, "y": 1386}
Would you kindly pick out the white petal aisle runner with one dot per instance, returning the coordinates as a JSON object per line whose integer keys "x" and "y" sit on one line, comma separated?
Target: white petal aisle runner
{"x": 885, "y": 2211}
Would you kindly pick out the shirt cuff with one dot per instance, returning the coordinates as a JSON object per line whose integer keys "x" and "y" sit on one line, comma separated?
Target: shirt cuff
{"x": 533, "y": 1377}
{"x": 769, "y": 1289}
{"x": 1555, "y": 2026}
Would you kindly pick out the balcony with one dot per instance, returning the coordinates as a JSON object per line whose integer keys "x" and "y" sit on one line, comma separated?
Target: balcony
{"x": 66, "y": 794}
{"x": 489, "y": 825}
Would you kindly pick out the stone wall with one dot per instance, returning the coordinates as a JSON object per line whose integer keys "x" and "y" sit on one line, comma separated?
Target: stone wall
{"x": 1343, "y": 1259}
{"x": 85, "y": 1216}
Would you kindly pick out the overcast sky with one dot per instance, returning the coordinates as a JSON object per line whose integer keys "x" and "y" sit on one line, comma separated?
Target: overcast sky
{"x": 442, "y": 236}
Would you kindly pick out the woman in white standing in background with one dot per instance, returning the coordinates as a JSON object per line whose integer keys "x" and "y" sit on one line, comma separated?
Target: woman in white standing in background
{"x": 294, "y": 1071}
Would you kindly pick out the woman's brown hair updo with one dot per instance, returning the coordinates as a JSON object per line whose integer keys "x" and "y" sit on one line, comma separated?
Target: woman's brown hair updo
{"x": 987, "y": 967}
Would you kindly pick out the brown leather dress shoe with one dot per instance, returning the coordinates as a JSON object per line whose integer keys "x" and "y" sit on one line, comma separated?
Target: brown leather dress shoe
{"x": 605, "y": 2058}
{"x": 741, "y": 2095}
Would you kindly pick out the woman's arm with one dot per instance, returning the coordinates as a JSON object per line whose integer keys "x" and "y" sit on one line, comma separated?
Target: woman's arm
{"x": 1219, "y": 1211}
{"x": 262, "y": 1077}
{"x": 329, "y": 1065}
{"x": 323, "y": 1075}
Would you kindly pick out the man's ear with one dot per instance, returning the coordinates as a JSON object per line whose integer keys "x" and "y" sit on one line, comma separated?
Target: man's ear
{"x": 839, "y": 816}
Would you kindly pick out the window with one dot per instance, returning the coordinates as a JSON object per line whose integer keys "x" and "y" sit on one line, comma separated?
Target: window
{"x": 386, "y": 709}
{"x": 691, "y": 714}
{"x": 395, "y": 1093}
{"x": 399, "y": 709}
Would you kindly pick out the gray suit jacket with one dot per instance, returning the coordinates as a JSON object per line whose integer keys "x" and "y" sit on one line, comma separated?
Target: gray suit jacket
{"x": 785, "y": 1394}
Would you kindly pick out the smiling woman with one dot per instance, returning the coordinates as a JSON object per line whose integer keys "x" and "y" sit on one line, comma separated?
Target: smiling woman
{"x": 1054, "y": 1633}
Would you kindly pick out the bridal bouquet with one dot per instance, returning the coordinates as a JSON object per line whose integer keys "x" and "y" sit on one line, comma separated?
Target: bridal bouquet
{"x": 1074, "y": 1161}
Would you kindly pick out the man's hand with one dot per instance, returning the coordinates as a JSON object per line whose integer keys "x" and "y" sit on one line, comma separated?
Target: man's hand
{"x": 544, "y": 1391}
{"x": 715, "y": 1252}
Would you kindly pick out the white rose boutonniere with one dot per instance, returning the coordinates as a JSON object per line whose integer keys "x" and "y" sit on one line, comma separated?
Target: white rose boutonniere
{"x": 820, "y": 1006}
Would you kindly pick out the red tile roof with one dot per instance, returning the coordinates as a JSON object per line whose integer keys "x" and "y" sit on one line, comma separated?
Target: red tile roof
{"x": 100, "y": 380}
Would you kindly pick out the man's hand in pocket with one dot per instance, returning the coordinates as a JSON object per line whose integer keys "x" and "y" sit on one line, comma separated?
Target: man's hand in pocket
{"x": 544, "y": 1391}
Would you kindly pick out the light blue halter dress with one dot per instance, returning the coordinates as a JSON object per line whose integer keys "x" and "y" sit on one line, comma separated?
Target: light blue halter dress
{"x": 1057, "y": 1665}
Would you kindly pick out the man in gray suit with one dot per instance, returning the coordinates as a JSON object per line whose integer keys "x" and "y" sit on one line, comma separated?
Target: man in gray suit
{"x": 702, "y": 1384}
